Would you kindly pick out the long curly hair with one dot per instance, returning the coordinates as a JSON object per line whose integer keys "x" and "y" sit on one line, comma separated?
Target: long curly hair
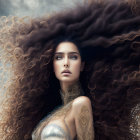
{"x": 108, "y": 34}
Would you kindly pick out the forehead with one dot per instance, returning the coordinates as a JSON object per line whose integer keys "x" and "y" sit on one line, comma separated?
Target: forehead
{"x": 66, "y": 47}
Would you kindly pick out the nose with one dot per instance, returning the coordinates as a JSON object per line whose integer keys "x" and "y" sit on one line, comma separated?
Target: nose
{"x": 66, "y": 62}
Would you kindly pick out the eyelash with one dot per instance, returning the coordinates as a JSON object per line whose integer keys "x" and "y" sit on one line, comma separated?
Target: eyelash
{"x": 73, "y": 57}
{"x": 58, "y": 57}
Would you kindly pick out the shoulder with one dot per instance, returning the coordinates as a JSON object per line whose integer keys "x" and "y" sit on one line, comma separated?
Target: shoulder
{"x": 81, "y": 101}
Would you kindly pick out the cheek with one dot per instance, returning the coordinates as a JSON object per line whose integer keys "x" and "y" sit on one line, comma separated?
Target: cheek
{"x": 77, "y": 67}
{"x": 55, "y": 67}
{"x": 56, "y": 70}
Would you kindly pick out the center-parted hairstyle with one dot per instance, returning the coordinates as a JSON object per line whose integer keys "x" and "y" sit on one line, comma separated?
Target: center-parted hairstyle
{"x": 108, "y": 34}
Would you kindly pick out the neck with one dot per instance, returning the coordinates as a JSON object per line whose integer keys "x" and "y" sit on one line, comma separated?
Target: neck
{"x": 65, "y": 86}
{"x": 71, "y": 92}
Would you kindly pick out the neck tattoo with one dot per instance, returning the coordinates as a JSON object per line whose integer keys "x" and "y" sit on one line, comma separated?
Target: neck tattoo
{"x": 72, "y": 92}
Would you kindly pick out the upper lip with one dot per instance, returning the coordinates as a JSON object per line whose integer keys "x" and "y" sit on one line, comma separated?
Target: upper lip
{"x": 66, "y": 71}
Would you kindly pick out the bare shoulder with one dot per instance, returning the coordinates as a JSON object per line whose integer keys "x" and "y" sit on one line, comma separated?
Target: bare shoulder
{"x": 81, "y": 101}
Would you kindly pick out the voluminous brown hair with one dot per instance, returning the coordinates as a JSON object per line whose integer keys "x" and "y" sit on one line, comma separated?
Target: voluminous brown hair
{"x": 109, "y": 35}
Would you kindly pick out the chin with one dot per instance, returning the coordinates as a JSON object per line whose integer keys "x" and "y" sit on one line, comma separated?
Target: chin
{"x": 68, "y": 80}
{"x": 71, "y": 81}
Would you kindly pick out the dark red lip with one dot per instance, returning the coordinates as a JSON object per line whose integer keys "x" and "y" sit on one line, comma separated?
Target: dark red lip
{"x": 66, "y": 71}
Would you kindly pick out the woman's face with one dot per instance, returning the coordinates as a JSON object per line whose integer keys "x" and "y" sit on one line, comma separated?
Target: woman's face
{"x": 67, "y": 62}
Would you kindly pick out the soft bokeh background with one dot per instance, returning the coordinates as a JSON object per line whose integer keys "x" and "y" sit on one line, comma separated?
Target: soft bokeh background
{"x": 33, "y": 8}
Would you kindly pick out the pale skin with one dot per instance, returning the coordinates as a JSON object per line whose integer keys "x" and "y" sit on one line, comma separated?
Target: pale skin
{"x": 67, "y": 57}
{"x": 79, "y": 119}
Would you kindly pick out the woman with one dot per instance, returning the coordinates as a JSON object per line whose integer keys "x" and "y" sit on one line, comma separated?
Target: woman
{"x": 108, "y": 34}
{"x": 78, "y": 120}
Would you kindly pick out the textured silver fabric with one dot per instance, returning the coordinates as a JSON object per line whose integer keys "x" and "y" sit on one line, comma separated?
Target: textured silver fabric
{"x": 54, "y": 130}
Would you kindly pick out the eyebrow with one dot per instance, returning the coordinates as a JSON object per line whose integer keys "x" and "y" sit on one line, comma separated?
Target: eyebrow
{"x": 68, "y": 53}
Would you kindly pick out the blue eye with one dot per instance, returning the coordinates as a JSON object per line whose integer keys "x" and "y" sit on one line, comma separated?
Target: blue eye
{"x": 74, "y": 57}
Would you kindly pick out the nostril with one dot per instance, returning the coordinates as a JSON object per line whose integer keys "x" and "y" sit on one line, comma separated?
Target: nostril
{"x": 65, "y": 65}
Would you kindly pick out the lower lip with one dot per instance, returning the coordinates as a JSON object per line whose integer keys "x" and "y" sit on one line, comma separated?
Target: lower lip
{"x": 66, "y": 73}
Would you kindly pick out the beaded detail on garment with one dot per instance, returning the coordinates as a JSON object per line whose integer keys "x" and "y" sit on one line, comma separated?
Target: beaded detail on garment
{"x": 72, "y": 92}
{"x": 135, "y": 126}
